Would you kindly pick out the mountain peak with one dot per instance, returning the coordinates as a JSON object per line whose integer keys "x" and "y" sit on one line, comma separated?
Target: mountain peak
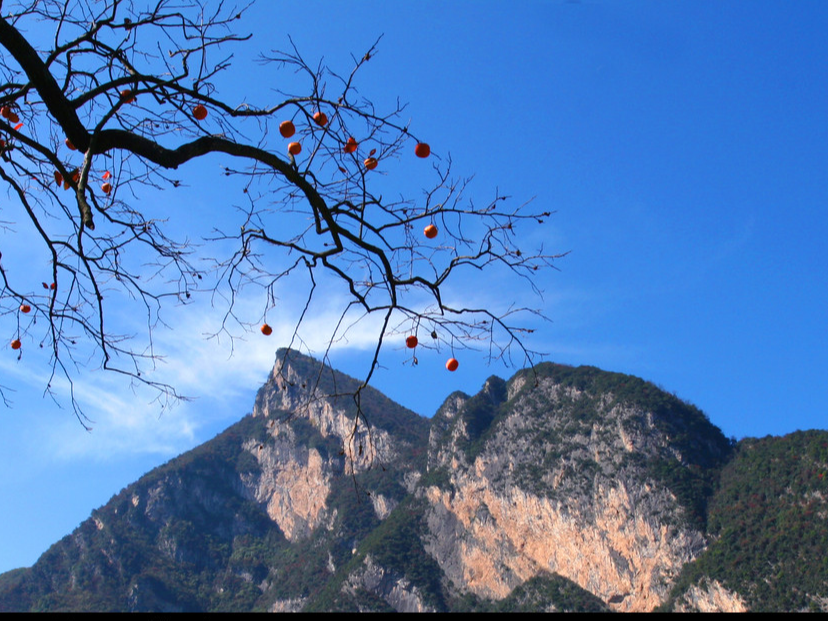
{"x": 563, "y": 488}
{"x": 363, "y": 420}
{"x": 297, "y": 381}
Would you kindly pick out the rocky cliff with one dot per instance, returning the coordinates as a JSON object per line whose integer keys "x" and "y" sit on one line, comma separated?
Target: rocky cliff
{"x": 560, "y": 489}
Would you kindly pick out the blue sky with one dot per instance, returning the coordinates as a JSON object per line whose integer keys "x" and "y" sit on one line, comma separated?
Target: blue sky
{"x": 683, "y": 146}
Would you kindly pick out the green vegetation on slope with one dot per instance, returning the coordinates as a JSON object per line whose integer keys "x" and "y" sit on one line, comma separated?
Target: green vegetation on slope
{"x": 770, "y": 522}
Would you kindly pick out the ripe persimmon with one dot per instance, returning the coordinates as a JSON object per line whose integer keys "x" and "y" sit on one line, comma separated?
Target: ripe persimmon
{"x": 294, "y": 148}
{"x": 350, "y": 146}
{"x": 25, "y": 308}
{"x": 5, "y": 111}
{"x": 16, "y": 344}
{"x": 199, "y": 113}
{"x": 106, "y": 187}
{"x": 70, "y": 145}
{"x": 452, "y": 364}
{"x": 371, "y": 163}
{"x": 411, "y": 342}
{"x": 321, "y": 119}
{"x": 287, "y": 129}
{"x": 430, "y": 231}
{"x": 266, "y": 329}
{"x": 127, "y": 96}
{"x": 13, "y": 118}
{"x": 422, "y": 150}
{"x": 75, "y": 179}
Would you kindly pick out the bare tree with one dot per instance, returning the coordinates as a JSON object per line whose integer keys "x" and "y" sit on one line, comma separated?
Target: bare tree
{"x": 102, "y": 99}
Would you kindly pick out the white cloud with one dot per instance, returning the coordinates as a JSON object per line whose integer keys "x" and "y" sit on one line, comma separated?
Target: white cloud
{"x": 221, "y": 374}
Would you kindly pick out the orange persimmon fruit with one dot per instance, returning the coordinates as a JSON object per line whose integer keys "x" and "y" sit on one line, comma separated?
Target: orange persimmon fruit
{"x": 350, "y": 146}
{"x": 106, "y": 187}
{"x": 5, "y": 111}
{"x": 287, "y": 129}
{"x": 422, "y": 150}
{"x": 266, "y": 330}
{"x": 70, "y": 145}
{"x": 25, "y": 308}
{"x": 294, "y": 148}
{"x": 127, "y": 96}
{"x": 411, "y": 342}
{"x": 16, "y": 344}
{"x": 199, "y": 113}
{"x": 321, "y": 119}
{"x": 452, "y": 364}
{"x": 75, "y": 179}
{"x": 371, "y": 163}
{"x": 430, "y": 231}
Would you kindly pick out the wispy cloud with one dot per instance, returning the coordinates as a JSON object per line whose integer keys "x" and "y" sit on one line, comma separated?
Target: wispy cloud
{"x": 220, "y": 374}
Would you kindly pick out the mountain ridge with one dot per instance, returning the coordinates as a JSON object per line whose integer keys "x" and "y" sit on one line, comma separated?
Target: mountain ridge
{"x": 561, "y": 488}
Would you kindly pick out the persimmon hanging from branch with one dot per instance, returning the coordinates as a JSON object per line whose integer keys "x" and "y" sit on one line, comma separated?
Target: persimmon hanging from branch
{"x": 87, "y": 98}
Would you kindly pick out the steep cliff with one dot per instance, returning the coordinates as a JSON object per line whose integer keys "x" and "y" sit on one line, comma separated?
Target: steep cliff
{"x": 569, "y": 471}
{"x": 560, "y": 489}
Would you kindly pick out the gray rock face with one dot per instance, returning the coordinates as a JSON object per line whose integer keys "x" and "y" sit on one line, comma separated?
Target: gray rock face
{"x": 549, "y": 488}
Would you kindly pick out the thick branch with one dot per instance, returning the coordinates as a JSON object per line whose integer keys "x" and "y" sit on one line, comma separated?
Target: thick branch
{"x": 40, "y": 77}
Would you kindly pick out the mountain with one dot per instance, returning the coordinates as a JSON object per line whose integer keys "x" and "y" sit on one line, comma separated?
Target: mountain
{"x": 561, "y": 489}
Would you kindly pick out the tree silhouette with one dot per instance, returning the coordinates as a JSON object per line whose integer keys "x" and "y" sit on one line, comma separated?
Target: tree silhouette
{"x": 103, "y": 99}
